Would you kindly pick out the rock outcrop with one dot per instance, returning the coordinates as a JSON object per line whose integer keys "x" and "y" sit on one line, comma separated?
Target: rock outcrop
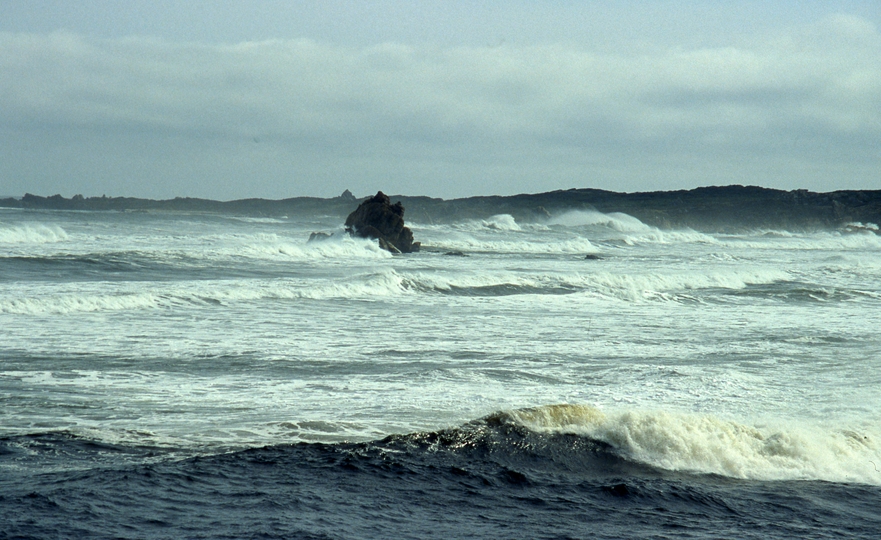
{"x": 379, "y": 219}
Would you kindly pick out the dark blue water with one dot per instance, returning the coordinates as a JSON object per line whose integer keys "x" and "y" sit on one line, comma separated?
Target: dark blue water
{"x": 489, "y": 479}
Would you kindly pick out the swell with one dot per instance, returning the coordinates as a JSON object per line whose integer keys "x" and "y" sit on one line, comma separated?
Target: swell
{"x": 96, "y": 266}
{"x": 146, "y": 284}
{"x": 493, "y": 477}
{"x": 142, "y": 291}
{"x": 567, "y": 438}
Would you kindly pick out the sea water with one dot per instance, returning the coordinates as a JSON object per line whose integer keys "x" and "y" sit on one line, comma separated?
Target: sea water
{"x": 173, "y": 375}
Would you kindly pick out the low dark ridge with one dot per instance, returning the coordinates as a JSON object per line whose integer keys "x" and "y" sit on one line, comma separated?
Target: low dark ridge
{"x": 708, "y": 208}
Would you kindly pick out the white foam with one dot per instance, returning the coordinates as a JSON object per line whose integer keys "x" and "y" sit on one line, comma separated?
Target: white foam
{"x": 613, "y": 285}
{"x": 340, "y": 246}
{"x": 90, "y": 297}
{"x": 706, "y": 444}
{"x": 634, "y": 231}
{"x": 657, "y": 236}
{"x": 246, "y": 219}
{"x": 497, "y": 223}
{"x": 501, "y": 222}
{"x": 272, "y": 246}
{"x": 31, "y": 234}
{"x": 635, "y": 287}
{"x": 617, "y": 221}
{"x": 825, "y": 241}
{"x": 866, "y": 226}
{"x": 473, "y": 244}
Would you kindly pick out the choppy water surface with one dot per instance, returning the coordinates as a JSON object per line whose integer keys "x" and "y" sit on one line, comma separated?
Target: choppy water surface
{"x": 729, "y": 380}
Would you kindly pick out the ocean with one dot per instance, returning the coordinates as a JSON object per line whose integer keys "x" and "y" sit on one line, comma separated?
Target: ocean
{"x": 196, "y": 375}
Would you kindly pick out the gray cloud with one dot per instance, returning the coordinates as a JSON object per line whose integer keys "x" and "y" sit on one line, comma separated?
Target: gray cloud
{"x": 148, "y": 117}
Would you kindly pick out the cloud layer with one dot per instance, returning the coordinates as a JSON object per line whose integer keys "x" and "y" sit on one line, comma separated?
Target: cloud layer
{"x": 147, "y": 117}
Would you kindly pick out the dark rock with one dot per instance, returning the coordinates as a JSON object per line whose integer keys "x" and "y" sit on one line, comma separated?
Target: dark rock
{"x": 388, "y": 246}
{"x": 347, "y": 196}
{"x": 592, "y": 257}
{"x": 379, "y": 219}
{"x": 319, "y": 236}
{"x": 455, "y": 254}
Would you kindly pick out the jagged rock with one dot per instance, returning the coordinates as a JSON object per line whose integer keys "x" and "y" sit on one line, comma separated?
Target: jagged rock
{"x": 347, "y": 196}
{"x": 379, "y": 219}
{"x": 592, "y": 257}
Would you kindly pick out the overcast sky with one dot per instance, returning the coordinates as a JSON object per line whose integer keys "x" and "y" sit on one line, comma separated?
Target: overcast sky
{"x": 276, "y": 99}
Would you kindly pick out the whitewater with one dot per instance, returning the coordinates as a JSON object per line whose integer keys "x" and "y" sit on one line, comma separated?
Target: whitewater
{"x": 588, "y": 361}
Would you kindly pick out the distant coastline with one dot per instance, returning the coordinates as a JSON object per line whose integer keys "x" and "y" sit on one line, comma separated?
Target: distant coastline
{"x": 707, "y": 209}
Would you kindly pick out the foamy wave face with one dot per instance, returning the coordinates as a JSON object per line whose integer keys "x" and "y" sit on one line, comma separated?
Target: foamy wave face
{"x": 501, "y": 222}
{"x": 657, "y": 236}
{"x": 660, "y": 286}
{"x": 478, "y": 245}
{"x": 270, "y": 246}
{"x": 338, "y": 246}
{"x": 705, "y": 444}
{"x": 616, "y": 220}
{"x": 31, "y": 234}
{"x": 822, "y": 241}
{"x": 627, "y": 228}
{"x": 497, "y": 223}
{"x": 599, "y": 285}
{"x": 92, "y": 297}
{"x": 858, "y": 226}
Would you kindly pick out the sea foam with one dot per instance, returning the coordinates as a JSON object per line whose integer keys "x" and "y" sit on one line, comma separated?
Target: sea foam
{"x": 501, "y": 222}
{"x": 616, "y": 220}
{"x": 710, "y": 445}
{"x": 91, "y": 297}
{"x": 31, "y": 234}
{"x": 630, "y": 230}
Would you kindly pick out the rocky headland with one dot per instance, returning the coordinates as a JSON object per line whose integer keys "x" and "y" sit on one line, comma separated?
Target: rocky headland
{"x": 710, "y": 209}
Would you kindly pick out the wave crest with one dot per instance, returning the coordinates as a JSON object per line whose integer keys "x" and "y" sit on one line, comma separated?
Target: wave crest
{"x": 32, "y": 234}
{"x": 711, "y": 445}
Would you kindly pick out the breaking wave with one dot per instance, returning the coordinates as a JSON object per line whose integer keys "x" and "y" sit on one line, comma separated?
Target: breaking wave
{"x": 478, "y": 245}
{"x": 711, "y": 445}
{"x": 386, "y": 283}
{"x": 616, "y": 220}
{"x": 274, "y": 246}
{"x": 501, "y": 222}
{"x": 626, "y": 228}
{"x": 819, "y": 241}
{"x": 618, "y": 286}
{"x": 32, "y": 234}
{"x": 90, "y": 297}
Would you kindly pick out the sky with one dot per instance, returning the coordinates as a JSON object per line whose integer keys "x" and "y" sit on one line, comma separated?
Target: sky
{"x": 274, "y": 99}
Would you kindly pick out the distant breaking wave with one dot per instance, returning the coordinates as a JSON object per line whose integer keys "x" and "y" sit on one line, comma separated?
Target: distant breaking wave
{"x": 631, "y": 231}
{"x": 614, "y": 220}
{"x": 479, "y": 245}
{"x": 32, "y": 234}
{"x": 388, "y": 283}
